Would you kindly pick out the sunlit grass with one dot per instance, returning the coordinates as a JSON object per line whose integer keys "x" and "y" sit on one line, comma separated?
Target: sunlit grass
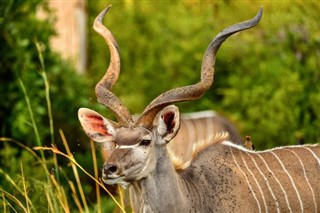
{"x": 55, "y": 193}
{"x": 76, "y": 165}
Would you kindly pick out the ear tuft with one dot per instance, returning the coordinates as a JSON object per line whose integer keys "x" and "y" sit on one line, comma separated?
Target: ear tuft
{"x": 168, "y": 119}
{"x": 96, "y": 126}
{"x": 169, "y": 122}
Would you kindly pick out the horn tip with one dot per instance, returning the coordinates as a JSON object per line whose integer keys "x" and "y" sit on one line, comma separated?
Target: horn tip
{"x": 102, "y": 14}
{"x": 260, "y": 12}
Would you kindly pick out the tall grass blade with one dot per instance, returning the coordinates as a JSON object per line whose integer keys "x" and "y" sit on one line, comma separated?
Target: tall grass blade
{"x": 75, "y": 171}
{"x": 96, "y": 175}
{"x": 75, "y": 196}
{"x": 50, "y": 205}
{"x": 33, "y": 121}
{"x": 7, "y": 203}
{"x": 15, "y": 200}
{"x": 35, "y": 129}
{"x": 60, "y": 194}
{"x": 25, "y": 189}
{"x": 43, "y": 74}
{"x": 13, "y": 183}
{"x": 4, "y": 203}
{"x": 120, "y": 191}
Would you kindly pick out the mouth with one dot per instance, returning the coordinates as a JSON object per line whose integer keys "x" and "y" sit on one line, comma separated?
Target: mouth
{"x": 115, "y": 179}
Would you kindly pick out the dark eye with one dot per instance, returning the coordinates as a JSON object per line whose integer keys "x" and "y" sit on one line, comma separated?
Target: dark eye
{"x": 145, "y": 143}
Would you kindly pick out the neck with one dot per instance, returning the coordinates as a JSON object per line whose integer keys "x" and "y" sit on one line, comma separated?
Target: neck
{"x": 160, "y": 191}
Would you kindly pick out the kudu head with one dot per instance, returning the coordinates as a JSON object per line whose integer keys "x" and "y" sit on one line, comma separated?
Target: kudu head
{"x": 133, "y": 144}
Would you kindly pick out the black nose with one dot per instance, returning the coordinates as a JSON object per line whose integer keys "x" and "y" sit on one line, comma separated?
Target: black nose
{"x": 109, "y": 168}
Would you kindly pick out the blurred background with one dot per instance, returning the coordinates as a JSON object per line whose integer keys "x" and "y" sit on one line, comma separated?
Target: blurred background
{"x": 267, "y": 79}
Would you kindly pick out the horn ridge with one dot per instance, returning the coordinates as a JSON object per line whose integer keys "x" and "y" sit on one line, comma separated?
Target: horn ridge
{"x": 104, "y": 86}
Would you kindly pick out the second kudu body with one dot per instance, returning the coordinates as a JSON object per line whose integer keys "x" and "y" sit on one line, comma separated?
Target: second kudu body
{"x": 221, "y": 176}
{"x": 199, "y": 126}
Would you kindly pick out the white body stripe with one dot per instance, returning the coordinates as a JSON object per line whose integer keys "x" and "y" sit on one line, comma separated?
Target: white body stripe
{"x": 255, "y": 180}
{"x": 197, "y": 115}
{"x": 307, "y": 180}
{"x": 291, "y": 179}
{"x": 273, "y": 175}
{"x": 266, "y": 180}
{"x": 190, "y": 130}
{"x": 248, "y": 182}
{"x": 209, "y": 126}
{"x": 314, "y": 154}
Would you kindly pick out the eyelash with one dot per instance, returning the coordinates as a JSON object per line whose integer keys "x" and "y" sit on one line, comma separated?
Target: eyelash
{"x": 145, "y": 143}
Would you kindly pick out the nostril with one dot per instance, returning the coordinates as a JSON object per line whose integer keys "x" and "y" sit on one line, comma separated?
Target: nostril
{"x": 110, "y": 169}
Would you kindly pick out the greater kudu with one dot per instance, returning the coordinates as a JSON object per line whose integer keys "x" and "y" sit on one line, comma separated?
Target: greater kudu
{"x": 221, "y": 177}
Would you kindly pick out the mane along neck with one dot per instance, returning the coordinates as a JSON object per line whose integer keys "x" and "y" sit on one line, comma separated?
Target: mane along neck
{"x": 197, "y": 148}
{"x": 236, "y": 146}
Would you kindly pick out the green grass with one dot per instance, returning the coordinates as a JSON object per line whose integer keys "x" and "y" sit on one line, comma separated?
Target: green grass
{"x": 55, "y": 198}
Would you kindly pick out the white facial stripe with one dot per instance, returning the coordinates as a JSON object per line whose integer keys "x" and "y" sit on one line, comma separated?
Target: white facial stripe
{"x": 126, "y": 146}
{"x": 132, "y": 146}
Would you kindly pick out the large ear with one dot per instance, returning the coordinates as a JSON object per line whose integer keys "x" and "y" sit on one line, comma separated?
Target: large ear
{"x": 169, "y": 122}
{"x": 97, "y": 127}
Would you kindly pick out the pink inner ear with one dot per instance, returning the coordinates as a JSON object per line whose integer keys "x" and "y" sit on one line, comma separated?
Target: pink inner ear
{"x": 168, "y": 119}
{"x": 95, "y": 124}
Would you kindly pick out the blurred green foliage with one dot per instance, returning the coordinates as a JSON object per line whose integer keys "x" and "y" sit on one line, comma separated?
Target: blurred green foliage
{"x": 266, "y": 79}
{"x": 20, "y": 31}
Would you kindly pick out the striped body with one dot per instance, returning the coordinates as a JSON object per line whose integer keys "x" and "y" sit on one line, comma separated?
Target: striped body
{"x": 234, "y": 179}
